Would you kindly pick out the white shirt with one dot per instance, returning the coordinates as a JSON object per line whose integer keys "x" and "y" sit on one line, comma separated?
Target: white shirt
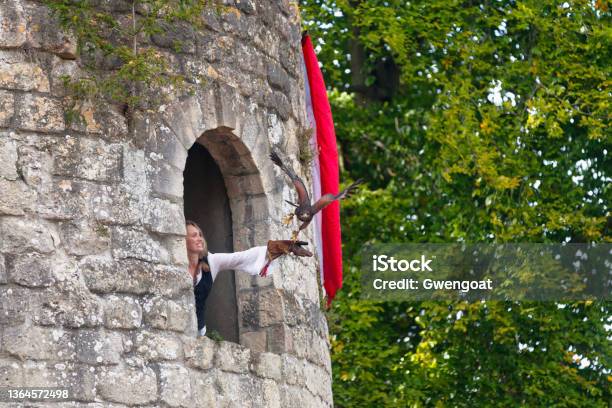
{"x": 250, "y": 261}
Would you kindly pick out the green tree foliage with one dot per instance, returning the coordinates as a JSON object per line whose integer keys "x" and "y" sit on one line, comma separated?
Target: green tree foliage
{"x": 477, "y": 122}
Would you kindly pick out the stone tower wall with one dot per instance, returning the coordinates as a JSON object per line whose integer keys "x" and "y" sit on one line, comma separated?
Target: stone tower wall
{"x": 94, "y": 294}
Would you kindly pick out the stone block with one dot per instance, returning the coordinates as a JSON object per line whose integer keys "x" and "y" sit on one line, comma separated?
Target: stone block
{"x": 302, "y": 339}
{"x": 77, "y": 378}
{"x": 203, "y": 389}
{"x": 8, "y": 154}
{"x": 257, "y": 67}
{"x": 254, "y": 134}
{"x": 271, "y": 394}
{"x": 98, "y": 347}
{"x": 295, "y": 309}
{"x": 292, "y": 369}
{"x": 211, "y": 52}
{"x": 279, "y": 102}
{"x": 90, "y": 159}
{"x": 157, "y": 346}
{"x": 99, "y": 273}
{"x": 7, "y": 108}
{"x": 70, "y": 305}
{"x": 200, "y": 352}
{"x": 130, "y": 243}
{"x": 276, "y": 136}
{"x": 50, "y": 344}
{"x": 11, "y": 373}
{"x": 43, "y": 32}
{"x": 278, "y": 78}
{"x": 256, "y": 341}
{"x": 133, "y": 276}
{"x": 128, "y": 385}
{"x": 246, "y": 6}
{"x": 211, "y": 20}
{"x": 166, "y": 314}
{"x": 35, "y": 167}
{"x": 178, "y": 252}
{"x": 117, "y": 204}
{"x": 175, "y": 386}
{"x": 14, "y": 305}
{"x": 40, "y": 113}
{"x": 245, "y": 281}
{"x": 237, "y": 390}
{"x": 42, "y": 374}
{"x": 18, "y": 235}
{"x": 63, "y": 200}
{"x": 289, "y": 59}
{"x": 231, "y": 18}
{"x": 262, "y": 307}
{"x": 82, "y": 238}
{"x": 208, "y": 105}
{"x": 175, "y": 37}
{"x": 166, "y": 180}
{"x": 292, "y": 396}
{"x": 24, "y": 76}
{"x": 311, "y": 400}
{"x": 267, "y": 41}
{"x": 66, "y": 155}
{"x": 135, "y": 168}
{"x": 164, "y": 145}
{"x": 243, "y": 185}
{"x": 230, "y": 108}
{"x": 113, "y": 122}
{"x": 61, "y": 68}
{"x": 12, "y": 24}
{"x": 269, "y": 307}
{"x": 122, "y": 312}
{"x": 267, "y": 365}
{"x": 249, "y": 236}
{"x": 185, "y": 119}
{"x": 32, "y": 270}
{"x": 250, "y": 209}
{"x": 232, "y": 357}
{"x": 164, "y": 217}
{"x": 169, "y": 281}
{"x": 318, "y": 352}
{"x": 81, "y": 380}
{"x": 317, "y": 381}
{"x": 16, "y": 197}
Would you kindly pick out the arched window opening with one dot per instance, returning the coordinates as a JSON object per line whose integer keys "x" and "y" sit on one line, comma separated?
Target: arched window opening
{"x": 206, "y": 202}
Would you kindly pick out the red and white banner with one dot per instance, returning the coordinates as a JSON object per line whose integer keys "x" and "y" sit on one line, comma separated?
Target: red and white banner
{"x": 325, "y": 172}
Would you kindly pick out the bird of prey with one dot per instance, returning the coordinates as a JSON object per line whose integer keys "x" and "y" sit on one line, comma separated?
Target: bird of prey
{"x": 304, "y": 210}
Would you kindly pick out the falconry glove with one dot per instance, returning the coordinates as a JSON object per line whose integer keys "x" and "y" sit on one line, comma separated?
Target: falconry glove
{"x": 276, "y": 249}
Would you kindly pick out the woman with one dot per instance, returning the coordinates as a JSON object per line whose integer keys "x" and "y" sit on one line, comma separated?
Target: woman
{"x": 204, "y": 266}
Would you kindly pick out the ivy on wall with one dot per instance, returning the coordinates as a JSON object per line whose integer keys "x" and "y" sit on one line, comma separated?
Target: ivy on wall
{"x": 121, "y": 63}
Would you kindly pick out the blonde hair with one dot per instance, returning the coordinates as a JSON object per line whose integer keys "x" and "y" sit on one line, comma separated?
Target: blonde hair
{"x": 204, "y": 254}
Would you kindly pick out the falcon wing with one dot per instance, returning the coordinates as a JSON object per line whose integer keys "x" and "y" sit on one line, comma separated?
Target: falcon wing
{"x": 327, "y": 199}
{"x": 303, "y": 197}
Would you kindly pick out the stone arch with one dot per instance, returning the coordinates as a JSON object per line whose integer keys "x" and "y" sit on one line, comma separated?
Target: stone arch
{"x": 189, "y": 121}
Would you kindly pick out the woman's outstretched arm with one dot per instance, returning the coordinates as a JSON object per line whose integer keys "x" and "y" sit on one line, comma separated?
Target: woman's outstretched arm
{"x": 250, "y": 261}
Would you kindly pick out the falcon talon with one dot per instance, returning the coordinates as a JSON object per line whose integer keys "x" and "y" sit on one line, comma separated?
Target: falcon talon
{"x": 288, "y": 219}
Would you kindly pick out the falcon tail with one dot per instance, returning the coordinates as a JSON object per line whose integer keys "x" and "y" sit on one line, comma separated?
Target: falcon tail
{"x": 277, "y": 160}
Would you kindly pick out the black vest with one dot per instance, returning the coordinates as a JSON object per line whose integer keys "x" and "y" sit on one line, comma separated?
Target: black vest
{"x": 201, "y": 291}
